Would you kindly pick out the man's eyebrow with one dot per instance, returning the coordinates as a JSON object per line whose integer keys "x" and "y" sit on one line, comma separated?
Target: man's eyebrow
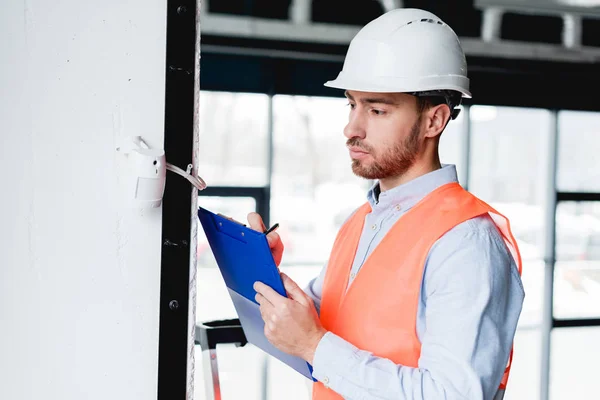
{"x": 379, "y": 100}
{"x": 373, "y": 100}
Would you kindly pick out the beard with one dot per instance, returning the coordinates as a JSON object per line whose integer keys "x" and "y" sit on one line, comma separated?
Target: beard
{"x": 390, "y": 162}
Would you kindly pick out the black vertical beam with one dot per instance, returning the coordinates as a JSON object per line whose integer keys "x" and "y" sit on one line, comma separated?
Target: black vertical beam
{"x": 177, "y": 201}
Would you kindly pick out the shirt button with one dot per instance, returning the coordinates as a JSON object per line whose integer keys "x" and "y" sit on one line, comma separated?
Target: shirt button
{"x": 326, "y": 381}
{"x": 398, "y": 208}
{"x": 374, "y": 226}
{"x": 353, "y": 275}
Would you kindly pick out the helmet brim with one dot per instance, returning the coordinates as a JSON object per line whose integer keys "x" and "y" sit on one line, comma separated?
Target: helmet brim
{"x": 364, "y": 86}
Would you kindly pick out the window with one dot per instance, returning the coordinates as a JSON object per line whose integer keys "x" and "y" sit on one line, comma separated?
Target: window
{"x": 507, "y": 159}
{"x": 507, "y": 170}
{"x": 574, "y": 355}
{"x": 578, "y": 144}
{"x": 452, "y": 149}
{"x": 240, "y": 373}
{"x": 234, "y": 139}
{"x": 313, "y": 187}
{"x": 577, "y": 270}
{"x": 524, "y": 380}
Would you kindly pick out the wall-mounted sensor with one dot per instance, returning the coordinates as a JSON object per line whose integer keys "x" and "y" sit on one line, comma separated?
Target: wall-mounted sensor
{"x": 150, "y": 167}
{"x": 147, "y": 172}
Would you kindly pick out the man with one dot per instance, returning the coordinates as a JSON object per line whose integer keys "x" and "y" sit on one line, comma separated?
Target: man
{"x": 422, "y": 293}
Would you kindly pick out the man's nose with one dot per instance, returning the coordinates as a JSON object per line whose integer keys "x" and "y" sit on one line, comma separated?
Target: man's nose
{"x": 355, "y": 126}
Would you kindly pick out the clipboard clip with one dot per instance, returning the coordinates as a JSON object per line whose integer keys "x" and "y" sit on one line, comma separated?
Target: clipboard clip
{"x": 266, "y": 232}
{"x": 230, "y": 219}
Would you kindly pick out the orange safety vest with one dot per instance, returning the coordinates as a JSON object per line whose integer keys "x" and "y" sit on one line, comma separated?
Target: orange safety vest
{"x": 378, "y": 313}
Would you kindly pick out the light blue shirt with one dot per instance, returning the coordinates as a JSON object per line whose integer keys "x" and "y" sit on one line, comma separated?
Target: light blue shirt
{"x": 471, "y": 299}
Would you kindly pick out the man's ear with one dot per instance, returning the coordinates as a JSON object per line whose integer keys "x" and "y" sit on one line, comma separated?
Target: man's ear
{"x": 436, "y": 119}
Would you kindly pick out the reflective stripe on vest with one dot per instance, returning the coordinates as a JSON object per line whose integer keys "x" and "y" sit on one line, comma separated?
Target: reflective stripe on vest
{"x": 378, "y": 312}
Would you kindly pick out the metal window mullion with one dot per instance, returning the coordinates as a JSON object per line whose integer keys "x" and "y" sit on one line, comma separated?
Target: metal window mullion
{"x": 271, "y": 141}
{"x": 465, "y": 150}
{"x": 266, "y": 206}
{"x": 549, "y": 256}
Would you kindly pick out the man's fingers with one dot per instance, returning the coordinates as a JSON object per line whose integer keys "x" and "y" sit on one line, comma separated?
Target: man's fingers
{"x": 268, "y": 293}
{"x": 273, "y": 239}
{"x": 260, "y": 299}
{"x": 294, "y": 291}
{"x": 266, "y": 309}
{"x": 255, "y": 221}
{"x": 276, "y": 246}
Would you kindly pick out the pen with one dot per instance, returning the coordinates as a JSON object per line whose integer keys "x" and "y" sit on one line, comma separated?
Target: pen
{"x": 271, "y": 229}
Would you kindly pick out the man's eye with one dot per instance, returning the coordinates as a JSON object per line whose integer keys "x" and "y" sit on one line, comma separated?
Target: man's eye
{"x": 351, "y": 105}
{"x": 377, "y": 112}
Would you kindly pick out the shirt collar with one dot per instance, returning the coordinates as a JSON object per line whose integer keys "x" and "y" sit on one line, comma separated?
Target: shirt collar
{"x": 410, "y": 193}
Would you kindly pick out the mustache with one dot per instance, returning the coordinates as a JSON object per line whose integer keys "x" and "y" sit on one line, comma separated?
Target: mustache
{"x": 356, "y": 142}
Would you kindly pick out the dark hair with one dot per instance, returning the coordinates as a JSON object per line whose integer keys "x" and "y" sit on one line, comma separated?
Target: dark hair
{"x": 424, "y": 103}
{"x": 427, "y": 100}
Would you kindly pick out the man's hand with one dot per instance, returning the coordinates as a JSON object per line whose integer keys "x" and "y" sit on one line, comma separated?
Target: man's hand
{"x": 291, "y": 324}
{"x": 255, "y": 221}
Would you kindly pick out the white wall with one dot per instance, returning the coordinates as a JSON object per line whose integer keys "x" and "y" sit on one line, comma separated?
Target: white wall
{"x": 79, "y": 272}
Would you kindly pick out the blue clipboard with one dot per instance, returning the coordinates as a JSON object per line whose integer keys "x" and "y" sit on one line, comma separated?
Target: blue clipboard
{"x": 244, "y": 257}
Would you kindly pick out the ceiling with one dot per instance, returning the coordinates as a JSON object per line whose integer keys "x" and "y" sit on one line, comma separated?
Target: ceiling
{"x": 255, "y": 47}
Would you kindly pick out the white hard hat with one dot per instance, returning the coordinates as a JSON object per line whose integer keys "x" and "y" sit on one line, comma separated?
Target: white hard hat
{"x": 404, "y": 51}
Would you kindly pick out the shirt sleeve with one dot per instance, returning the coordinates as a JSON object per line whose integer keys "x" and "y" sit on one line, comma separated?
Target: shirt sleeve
{"x": 473, "y": 298}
